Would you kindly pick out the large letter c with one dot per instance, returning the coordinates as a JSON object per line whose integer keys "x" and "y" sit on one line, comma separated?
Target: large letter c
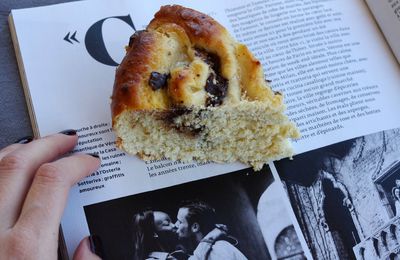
{"x": 94, "y": 41}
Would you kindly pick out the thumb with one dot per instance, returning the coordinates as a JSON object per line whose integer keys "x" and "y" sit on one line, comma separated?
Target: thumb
{"x": 87, "y": 248}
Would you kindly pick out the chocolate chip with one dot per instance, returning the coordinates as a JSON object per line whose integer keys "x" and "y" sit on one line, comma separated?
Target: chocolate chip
{"x": 210, "y": 58}
{"x": 158, "y": 80}
{"x": 217, "y": 86}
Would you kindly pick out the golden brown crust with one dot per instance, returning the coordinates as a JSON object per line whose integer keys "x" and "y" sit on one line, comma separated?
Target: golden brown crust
{"x": 201, "y": 29}
{"x": 169, "y": 46}
{"x": 252, "y": 77}
{"x": 186, "y": 90}
{"x": 129, "y": 74}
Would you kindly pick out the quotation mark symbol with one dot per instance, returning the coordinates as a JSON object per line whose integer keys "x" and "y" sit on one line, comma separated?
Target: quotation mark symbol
{"x": 71, "y": 38}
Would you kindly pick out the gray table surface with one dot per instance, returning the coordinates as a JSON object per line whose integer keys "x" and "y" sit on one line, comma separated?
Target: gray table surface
{"x": 14, "y": 118}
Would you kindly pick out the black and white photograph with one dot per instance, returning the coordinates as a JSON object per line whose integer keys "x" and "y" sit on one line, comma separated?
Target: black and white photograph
{"x": 238, "y": 215}
{"x": 346, "y": 197}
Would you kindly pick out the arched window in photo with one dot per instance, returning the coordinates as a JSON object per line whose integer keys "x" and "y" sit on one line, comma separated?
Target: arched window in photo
{"x": 387, "y": 183}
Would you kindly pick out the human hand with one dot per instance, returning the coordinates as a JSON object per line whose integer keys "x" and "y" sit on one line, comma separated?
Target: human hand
{"x": 35, "y": 180}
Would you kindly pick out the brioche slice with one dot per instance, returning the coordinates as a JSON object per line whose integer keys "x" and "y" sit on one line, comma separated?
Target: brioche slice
{"x": 186, "y": 90}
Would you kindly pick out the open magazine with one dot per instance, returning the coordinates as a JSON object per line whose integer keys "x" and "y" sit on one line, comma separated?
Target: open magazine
{"x": 337, "y": 70}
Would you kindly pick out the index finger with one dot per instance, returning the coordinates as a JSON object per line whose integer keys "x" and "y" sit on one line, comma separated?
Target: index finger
{"x": 18, "y": 165}
{"x": 46, "y": 199}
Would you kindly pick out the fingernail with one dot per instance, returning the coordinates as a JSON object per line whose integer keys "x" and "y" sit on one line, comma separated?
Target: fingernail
{"x": 94, "y": 155}
{"x": 96, "y": 245}
{"x": 68, "y": 132}
{"x": 24, "y": 140}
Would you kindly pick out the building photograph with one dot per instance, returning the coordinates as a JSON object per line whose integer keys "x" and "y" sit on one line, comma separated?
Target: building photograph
{"x": 346, "y": 197}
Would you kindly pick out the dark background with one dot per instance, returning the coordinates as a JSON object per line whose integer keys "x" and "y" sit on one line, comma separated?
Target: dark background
{"x": 14, "y": 118}
{"x": 234, "y": 196}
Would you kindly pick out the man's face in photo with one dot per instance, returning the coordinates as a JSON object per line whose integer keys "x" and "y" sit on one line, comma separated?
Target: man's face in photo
{"x": 182, "y": 225}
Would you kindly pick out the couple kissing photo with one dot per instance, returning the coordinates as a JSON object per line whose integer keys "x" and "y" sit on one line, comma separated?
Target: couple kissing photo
{"x": 235, "y": 216}
{"x": 195, "y": 235}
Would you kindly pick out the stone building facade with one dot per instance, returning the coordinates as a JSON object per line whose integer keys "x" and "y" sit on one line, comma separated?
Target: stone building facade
{"x": 348, "y": 209}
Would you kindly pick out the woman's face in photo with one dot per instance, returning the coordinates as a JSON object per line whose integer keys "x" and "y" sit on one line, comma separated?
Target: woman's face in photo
{"x": 397, "y": 193}
{"x": 163, "y": 222}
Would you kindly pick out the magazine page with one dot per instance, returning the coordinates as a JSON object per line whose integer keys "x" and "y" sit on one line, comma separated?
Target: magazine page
{"x": 69, "y": 85}
{"x": 331, "y": 62}
{"x": 387, "y": 15}
{"x": 346, "y": 197}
